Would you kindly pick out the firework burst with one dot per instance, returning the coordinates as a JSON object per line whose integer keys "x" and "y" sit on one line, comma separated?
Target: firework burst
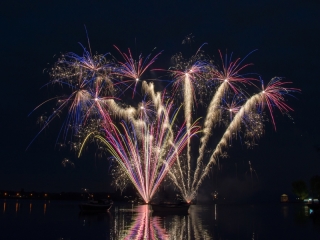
{"x": 132, "y": 70}
{"x": 272, "y": 96}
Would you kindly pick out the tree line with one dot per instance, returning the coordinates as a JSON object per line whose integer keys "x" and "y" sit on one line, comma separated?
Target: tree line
{"x": 302, "y": 191}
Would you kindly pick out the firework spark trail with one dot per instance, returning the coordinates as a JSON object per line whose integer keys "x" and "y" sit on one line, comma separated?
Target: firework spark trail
{"x": 156, "y": 97}
{"x": 120, "y": 112}
{"x": 232, "y": 128}
{"x": 188, "y": 78}
{"x": 187, "y": 115}
{"x": 179, "y": 174}
{"x": 176, "y": 150}
{"x": 229, "y": 77}
{"x": 272, "y": 96}
{"x": 211, "y": 118}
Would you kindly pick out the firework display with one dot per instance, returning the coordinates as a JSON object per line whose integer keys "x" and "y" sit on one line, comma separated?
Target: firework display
{"x": 150, "y": 134}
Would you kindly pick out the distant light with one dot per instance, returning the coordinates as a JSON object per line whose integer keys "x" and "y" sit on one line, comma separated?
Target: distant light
{"x": 226, "y": 80}
{"x": 96, "y": 99}
{"x": 137, "y": 79}
{"x": 263, "y": 91}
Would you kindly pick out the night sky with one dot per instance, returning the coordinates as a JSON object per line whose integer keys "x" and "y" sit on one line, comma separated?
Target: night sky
{"x": 286, "y": 36}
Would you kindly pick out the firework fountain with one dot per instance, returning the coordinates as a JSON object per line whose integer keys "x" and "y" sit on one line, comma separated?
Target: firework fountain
{"x": 146, "y": 151}
{"x": 246, "y": 117}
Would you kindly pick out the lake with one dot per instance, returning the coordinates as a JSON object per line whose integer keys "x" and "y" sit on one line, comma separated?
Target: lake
{"x": 62, "y": 220}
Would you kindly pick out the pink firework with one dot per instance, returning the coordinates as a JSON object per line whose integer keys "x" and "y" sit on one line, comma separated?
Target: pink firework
{"x": 132, "y": 69}
{"x": 273, "y": 96}
{"x": 230, "y": 73}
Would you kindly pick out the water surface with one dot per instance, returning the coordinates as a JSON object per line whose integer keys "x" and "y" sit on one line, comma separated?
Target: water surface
{"x": 62, "y": 220}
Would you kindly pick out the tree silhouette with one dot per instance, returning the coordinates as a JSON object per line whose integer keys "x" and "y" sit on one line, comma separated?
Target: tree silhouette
{"x": 315, "y": 186}
{"x": 300, "y": 189}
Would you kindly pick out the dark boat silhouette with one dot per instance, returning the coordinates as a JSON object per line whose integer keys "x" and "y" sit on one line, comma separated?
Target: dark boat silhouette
{"x": 96, "y": 205}
{"x": 167, "y": 207}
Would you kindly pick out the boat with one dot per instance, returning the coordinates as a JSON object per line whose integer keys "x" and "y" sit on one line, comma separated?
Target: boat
{"x": 181, "y": 207}
{"x": 96, "y": 205}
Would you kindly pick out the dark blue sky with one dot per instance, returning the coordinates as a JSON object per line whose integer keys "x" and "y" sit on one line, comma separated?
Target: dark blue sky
{"x": 286, "y": 34}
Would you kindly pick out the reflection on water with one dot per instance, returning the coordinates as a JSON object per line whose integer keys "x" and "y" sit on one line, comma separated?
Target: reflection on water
{"x": 188, "y": 226}
{"x": 44, "y": 208}
{"x": 17, "y": 206}
{"x": 140, "y": 223}
{"x": 302, "y": 215}
{"x": 126, "y": 221}
{"x": 144, "y": 224}
{"x": 88, "y": 219}
{"x": 285, "y": 211}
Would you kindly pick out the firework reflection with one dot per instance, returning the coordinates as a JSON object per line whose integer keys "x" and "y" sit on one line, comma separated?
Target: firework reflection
{"x": 149, "y": 225}
{"x": 145, "y": 226}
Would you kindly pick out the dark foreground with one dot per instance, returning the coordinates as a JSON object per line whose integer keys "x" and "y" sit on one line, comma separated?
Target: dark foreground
{"x": 57, "y": 220}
